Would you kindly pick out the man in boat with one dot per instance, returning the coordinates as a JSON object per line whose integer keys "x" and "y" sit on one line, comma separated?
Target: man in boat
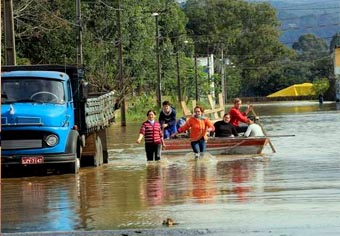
{"x": 198, "y": 126}
{"x": 223, "y": 128}
{"x": 253, "y": 130}
{"x": 236, "y": 116}
{"x": 167, "y": 119}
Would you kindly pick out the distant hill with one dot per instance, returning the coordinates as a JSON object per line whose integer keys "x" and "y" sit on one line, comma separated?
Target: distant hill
{"x": 299, "y": 17}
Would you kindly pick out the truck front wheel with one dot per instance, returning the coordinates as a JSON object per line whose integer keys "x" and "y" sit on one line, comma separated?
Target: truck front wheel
{"x": 73, "y": 167}
{"x": 74, "y": 148}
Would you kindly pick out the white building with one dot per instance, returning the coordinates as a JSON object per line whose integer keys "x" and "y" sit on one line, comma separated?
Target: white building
{"x": 208, "y": 64}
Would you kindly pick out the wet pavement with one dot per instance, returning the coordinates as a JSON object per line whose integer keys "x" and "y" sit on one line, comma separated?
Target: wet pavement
{"x": 294, "y": 191}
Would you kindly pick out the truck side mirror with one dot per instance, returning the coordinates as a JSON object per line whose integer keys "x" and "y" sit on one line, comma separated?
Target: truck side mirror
{"x": 84, "y": 90}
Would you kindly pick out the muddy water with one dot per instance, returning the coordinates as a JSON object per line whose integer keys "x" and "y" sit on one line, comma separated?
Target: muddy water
{"x": 294, "y": 191}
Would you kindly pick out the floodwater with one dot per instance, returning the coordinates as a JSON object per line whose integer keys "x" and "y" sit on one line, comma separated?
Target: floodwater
{"x": 295, "y": 191}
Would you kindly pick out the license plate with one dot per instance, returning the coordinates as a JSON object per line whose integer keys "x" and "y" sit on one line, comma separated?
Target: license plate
{"x": 32, "y": 160}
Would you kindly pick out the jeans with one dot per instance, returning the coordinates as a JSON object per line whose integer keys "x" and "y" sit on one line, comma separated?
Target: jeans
{"x": 168, "y": 131}
{"x": 199, "y": 146}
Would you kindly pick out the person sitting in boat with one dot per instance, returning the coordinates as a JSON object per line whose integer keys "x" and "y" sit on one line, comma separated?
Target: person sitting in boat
{"x": 167, "y": 119}
{"x": 198, "y": 126}
{"x": 223, "y": 128}
{"x": 180, "y": 122}
{"x": 254, "y": 129}
{"x": 236, "y": 116}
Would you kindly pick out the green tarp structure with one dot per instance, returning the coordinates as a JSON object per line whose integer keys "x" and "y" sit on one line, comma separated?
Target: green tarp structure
{"x": 305, "y": 89}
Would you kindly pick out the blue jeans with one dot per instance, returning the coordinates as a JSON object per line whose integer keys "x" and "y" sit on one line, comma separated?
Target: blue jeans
{"x": 199, "y": 146}
{"x": 168, "y": 131}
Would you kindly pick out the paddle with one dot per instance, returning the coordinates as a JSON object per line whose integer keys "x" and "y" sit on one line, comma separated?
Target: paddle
{"x": 264, "y": 132}
{"x": 281, "y": 135}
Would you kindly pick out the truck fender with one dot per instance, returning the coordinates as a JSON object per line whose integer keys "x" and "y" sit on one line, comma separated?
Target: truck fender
{"x": 73, "y": 143}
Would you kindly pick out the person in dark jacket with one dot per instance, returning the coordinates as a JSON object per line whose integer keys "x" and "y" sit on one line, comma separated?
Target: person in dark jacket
{"x": 224, "y": 128}
{"x": 153, "y": 137}
{"x": 167, "y": 118}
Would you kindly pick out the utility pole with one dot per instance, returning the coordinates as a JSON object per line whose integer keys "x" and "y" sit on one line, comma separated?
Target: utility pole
{"x": 0, "y": 116}
{"x": 159, "y": 86}
{"x": 120, "y": 59}
{"x": 178, "y": 77}
{"x": 196, "y": 79}
{"x": 79, "y": 34}
{"x": 10, "y": 54}
{"x": 223, "y": 80}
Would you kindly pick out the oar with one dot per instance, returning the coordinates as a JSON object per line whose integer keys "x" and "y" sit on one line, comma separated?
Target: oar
{"x": 281, "y": 135}
{"x": 236, "y": 145}
{"x": 264, "y": 132}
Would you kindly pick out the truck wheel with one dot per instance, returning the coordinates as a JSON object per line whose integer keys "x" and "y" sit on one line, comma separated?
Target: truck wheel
{"x": 74, "y": 148}
{"x": 77, "y": 161}
{"x": 98, "y": 158}
{"x": 71, "y": 168}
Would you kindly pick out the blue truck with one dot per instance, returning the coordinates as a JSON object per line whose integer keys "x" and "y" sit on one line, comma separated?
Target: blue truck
{"x": 50, "y": 120}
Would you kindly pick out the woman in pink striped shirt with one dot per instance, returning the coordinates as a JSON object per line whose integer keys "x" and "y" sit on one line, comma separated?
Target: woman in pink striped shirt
{"x": 153, "y": 136}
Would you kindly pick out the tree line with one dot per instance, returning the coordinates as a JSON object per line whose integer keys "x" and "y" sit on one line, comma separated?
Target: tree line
{"x": 244, "y": 34}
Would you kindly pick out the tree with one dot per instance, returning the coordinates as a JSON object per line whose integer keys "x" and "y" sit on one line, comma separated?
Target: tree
{"x": 314, "y": 52}
{"x": 321, "y": 86}
{"x": 43, "y": 31}
{"x": 248, "y": 32}
{"x": 335, "y": 42}
{"x": 309, "y": 47}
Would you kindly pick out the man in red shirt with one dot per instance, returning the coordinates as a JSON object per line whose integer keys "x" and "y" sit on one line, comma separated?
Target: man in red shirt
{"x": 236, "y": 116}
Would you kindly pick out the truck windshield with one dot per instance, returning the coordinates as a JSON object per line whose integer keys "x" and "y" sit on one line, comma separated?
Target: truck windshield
{"x": 38, "y": 90}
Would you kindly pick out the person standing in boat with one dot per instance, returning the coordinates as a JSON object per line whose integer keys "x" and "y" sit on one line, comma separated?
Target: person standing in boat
{"x": 224, "y": 128}
{"x": 198, "y": 126}
{"x": 153, "y": 136}
{"x": 236, "y": 116}
{"x": 167, "y": 118}
{"x": 253, "y": 130}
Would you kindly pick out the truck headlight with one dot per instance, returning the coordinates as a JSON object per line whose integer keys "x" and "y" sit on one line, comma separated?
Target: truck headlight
{"x": 51, "y": 140}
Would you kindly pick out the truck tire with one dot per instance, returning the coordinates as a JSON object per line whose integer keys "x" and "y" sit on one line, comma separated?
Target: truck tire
{"x": 106, "y": 157}
{"x": 73, "y": 167}
{"x": 74, "y": 148}
{"x": 98, "y": 159}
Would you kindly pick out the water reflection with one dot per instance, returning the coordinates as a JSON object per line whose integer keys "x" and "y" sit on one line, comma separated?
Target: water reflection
{"x": 35, "y": 205}
{"x": 237, "y": 178}
{"x": 124, "y": 194}
{"x": 242, "y": 178}
{"x": 152, "y": 189}
{"x": 204, "y": 187}
{"x": 237, "y": 193}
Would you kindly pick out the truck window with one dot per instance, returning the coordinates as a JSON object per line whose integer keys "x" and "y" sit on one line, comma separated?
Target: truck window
{"x": 26, "y": 89}
{"x": 69, "y": 89}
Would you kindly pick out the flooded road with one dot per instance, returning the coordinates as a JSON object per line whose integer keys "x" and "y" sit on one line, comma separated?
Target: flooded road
{"x": 294, "y": 191}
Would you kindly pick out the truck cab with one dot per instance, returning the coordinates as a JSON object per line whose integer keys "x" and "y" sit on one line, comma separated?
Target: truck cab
{"x": 42, "y": 113}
